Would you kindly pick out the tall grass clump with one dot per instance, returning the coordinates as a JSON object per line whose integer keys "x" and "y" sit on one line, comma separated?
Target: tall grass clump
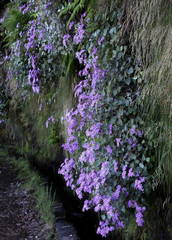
{"x": 42, "y": 194}
{"x": 148, "y": 24}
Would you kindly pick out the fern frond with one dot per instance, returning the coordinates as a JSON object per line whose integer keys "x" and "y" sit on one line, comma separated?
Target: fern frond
{"x": 69, "y": 7}
{"x": 73, "y": 9}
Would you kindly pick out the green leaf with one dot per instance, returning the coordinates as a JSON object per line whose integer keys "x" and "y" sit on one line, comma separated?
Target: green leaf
{"x": 130, "y": 70}
{"x": 113, "y": 30}
{"x": 128, "y": 81}
{"x": 141, "y": 165}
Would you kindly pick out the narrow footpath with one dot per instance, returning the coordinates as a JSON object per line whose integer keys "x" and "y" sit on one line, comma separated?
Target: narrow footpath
{"x": 19, "y": 219}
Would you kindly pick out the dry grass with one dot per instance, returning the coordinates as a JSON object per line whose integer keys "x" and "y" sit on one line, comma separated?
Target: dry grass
{"x": 148, "y": 24}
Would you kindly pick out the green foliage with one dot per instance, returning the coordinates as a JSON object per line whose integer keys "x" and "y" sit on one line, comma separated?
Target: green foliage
{"x": 74, "y": 8}
{"x": 47, "y": 49}
{"x": 15, "y": 22}
{"x": 69, "y": 63}
{"x": 55, "y": 136}
{"x": 119, "y": 89}
{"x": 45, "y": 203}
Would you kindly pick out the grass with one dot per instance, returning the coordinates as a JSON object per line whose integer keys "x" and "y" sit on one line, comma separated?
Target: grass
{"x": 148, "y": 25}
{"x": 41, "y": 193}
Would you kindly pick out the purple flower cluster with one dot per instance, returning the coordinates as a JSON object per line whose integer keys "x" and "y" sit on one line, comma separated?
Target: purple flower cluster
{"x": 66, "y": 171}
{"x": 79, "y": 32}
{"x": 71, "y": 145}
{"x": 33, "y": 74}
{"x": 31, "y": 36}
{"x": 139, "y": 212}
{"x": 79, "y": 35}
{"x": 95, "y": 167}
{"x": 25, "y": 8}
{"x": 134, "y": 131}
{"x": 33, "y": 79}
{"x": 94, "y": 130}
{"x": 35, "y": 40}
{"x": 66, "y": 37}
{"x": 48, "y": 47}
{"x": 138, "y": 184}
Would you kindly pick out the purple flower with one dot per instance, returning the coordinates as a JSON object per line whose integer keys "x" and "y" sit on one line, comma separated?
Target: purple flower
{"x": 25, "y": 8}
{"x": 71, "y": 24}
{"x": 104, "y": 170}
{"x": 132, "y": 142}
{"x": 87, "y": 156}
{"x": 86, "y": 206}
{"x": 31, "y": 36}
{"x": 133, "y": 131}
{"x": 139, "y": 133}
{"x": 94, "y": 130}
{"x": 124, "y": 171}
{"x": 86, "y": 70}
{"x": 100, "y": 40}
{"x": 41, "y": 34}
{"x": 47, "y": 5}
{"x": 132, "y": 204}
{"x": 92, "y": 173}
{"x": 33, "y": 75}
{"x": 115, "y": 166}
{"x": 131, "y": 173}
{"x": 138, "y": 184}
{"x": 109, "y": 149}
{"x": 72, "y": 125}
{"x": 120, "y": 224}
{"x": 97, "y": 199}
{"x": 92, "y": 145}
{"x": 110, "y": 129}
{"x": 139, "y": 212}
{"x": 139, "y": 215}
{"x": 118, "y": 141}
{"x": 78, "y": 37}
{"x": 66, "y": 38}
{"x": 139, "y": 219}
{"x": 116, "y": 194}
{"x": 66, "y": 171}
{"x": 97, "y": 75}
{"x": 48, "y": 47}
{"x": 71, "y": 145}
{"x": 104, "y": 229}
{"x": 81, "y": 56}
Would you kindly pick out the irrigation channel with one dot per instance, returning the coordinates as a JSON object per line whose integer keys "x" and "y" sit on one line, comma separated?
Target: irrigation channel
{"x": 71, "y": 222}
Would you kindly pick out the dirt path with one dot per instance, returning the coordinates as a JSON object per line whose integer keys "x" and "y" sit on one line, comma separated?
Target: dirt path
{"x": 18, "y": 218}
